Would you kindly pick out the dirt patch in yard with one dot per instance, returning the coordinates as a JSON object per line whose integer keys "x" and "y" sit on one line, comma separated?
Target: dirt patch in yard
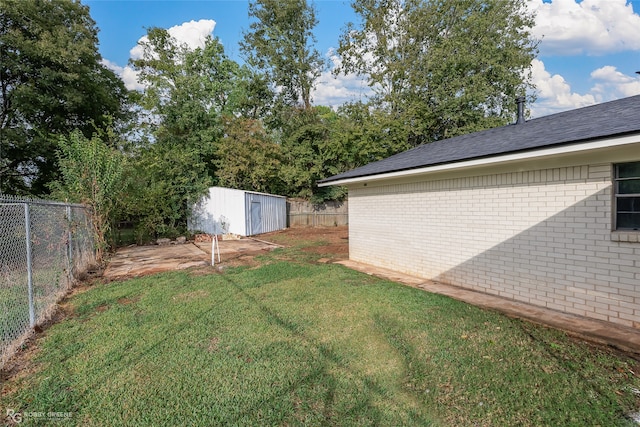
{"x": 296, "y": 235}
{"x": 235, "y": 253}
{"x": 330, "y": 242}
{"x": 337, "y": 250}
{"x": 19, "y": 366}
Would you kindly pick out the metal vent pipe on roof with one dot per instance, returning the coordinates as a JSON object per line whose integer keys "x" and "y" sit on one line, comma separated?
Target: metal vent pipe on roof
{"x": 520, "y": 102}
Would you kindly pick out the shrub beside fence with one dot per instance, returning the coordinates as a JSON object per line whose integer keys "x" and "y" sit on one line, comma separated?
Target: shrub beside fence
{"x": 301, "y": 213}
{"x": 44, "y": 246}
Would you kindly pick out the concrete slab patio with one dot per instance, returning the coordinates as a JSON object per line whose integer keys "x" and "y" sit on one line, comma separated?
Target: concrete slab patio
{"x": 135, "y": 261}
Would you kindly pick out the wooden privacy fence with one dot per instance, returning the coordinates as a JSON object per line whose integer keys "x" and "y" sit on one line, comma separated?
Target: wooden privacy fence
{"x": 301, "y": 213}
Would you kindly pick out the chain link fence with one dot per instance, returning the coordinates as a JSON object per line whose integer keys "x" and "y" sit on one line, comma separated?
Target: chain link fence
{"x": 44, "y": 245}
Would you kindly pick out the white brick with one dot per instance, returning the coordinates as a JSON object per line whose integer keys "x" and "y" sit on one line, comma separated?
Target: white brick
{"x": 539, "y": 236}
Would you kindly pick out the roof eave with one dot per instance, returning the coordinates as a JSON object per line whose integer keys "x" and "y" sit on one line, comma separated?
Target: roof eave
{"x": 577, "y": 147}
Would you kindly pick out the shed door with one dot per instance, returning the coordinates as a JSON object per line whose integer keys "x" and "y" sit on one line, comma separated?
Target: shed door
{"x": 256, "y": 218}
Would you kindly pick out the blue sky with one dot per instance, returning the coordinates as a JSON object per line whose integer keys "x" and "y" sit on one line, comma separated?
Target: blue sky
{"x": 589, "y": 49}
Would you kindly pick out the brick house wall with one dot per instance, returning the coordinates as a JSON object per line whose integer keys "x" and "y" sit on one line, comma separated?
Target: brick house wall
{"x": 540, "y": 236}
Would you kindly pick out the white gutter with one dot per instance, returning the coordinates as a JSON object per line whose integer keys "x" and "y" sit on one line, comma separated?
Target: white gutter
{"x": 499, "y": 159}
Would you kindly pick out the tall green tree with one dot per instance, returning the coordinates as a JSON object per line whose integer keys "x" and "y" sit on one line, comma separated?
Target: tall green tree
{"x": 366, "y": 135}
{"x": 51, "y": 82}
{"x": 248, "y": 158}
{"x": 279, "y": 43}
{"x": 312, "y": 150}
{"x": 187, "y": 93}
{"x": 442, "y": 68}
{"x": 320, "y": 142}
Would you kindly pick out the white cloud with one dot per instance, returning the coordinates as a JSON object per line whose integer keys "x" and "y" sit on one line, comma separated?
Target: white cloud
{"x": 612, "y": 84}
{"x": 593, "y": 27}
{"x": 554, "y": 93}
{"x": 192, "y": 34}
{"x": 334, "y": 90}
{"x": 128, "y": 75}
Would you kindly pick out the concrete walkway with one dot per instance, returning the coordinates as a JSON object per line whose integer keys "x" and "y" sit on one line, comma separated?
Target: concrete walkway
{"x": 620, "y": 337}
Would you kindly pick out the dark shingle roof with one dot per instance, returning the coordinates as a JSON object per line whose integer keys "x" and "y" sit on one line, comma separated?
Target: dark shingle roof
{"x": 614, "y": 118}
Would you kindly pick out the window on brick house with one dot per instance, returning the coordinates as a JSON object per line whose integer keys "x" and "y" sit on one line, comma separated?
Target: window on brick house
{"x": 627, "y": 196}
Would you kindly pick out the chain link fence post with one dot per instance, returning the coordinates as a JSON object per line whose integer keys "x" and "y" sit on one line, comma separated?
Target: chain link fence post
{"x": 44, "y": 245}
{"x": 27, "y": 227}
{"x": 69, "y": 244}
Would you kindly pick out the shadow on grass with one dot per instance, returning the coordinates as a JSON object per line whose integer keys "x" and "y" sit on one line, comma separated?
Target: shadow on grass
{"x": 285, "y": 352}
{"x": 364, "y": 404}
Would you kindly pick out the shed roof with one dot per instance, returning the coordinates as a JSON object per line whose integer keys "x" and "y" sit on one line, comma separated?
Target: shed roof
{"x": 613, "y": 118}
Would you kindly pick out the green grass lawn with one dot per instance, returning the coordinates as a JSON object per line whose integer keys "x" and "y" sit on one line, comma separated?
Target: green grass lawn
{"x": 293, "y": 342}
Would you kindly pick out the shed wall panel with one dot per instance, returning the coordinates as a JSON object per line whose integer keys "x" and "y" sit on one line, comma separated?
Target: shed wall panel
{"x": 222, "y": 209}
{"x": 273, "y": 213}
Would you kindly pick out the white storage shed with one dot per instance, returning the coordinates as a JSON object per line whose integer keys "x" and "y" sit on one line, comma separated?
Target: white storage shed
{"x": 245, "y": 213}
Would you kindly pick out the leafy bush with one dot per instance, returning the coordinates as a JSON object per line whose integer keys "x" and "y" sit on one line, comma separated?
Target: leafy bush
{"x": 91, "y": 174}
